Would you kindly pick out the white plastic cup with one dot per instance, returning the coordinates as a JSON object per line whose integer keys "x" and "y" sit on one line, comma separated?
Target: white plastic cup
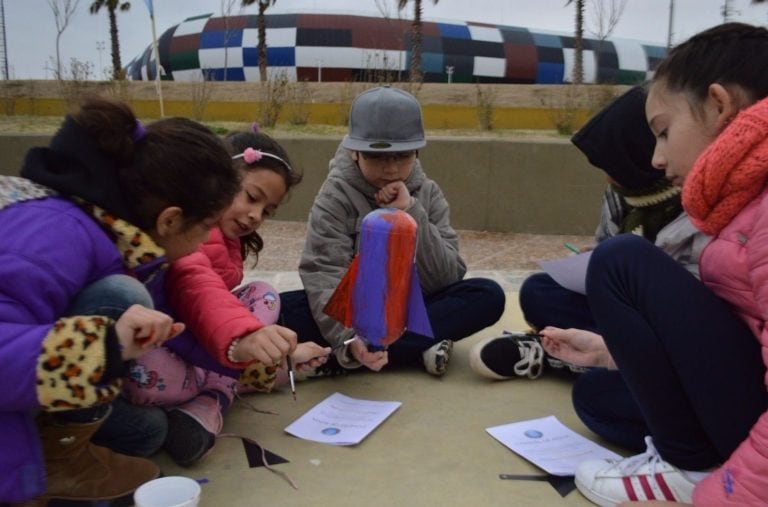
{"x": 174, "y": 491}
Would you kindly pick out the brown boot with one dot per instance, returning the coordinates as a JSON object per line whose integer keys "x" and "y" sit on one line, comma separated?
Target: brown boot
{"x": 78, "y": 470}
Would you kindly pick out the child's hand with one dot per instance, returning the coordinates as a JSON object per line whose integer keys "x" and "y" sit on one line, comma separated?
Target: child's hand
{"x": 269, "y": 345}
{"x": 309, "y": 356}
{"x": 140, "y": 329}
{"x": 374, "y": 361}
{"x": 394, "y": 195}
{"x": 576, "y": 346}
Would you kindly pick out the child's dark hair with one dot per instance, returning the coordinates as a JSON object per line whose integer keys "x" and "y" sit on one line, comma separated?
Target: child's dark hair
{"x": 237, "y": 142}
{"x": 728, "y": 54}
{"x": 171, "y": 162}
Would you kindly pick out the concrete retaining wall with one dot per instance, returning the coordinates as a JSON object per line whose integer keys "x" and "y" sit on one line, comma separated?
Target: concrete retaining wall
{"x": 525, "y": 186}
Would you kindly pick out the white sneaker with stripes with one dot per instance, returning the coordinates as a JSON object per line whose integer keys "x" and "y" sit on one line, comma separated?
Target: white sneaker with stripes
{"x": 642, "y": 477}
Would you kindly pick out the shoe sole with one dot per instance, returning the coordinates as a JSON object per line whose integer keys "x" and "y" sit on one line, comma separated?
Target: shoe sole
{"x": 592, "y": 496}
{"x": 176, "y": 442}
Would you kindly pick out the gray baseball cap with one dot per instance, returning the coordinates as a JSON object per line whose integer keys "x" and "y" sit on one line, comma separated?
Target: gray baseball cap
{"x": 385, "y": 119}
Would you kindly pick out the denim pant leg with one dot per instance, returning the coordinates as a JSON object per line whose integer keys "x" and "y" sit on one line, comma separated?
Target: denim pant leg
{"x": 692, "y": 365}
{"x": 455, "y": 312}
{"x": 129, "y": 429}
{"x": 544, "y": 302}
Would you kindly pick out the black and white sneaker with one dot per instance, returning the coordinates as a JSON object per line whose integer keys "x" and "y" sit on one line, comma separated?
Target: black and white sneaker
{"x": 436, "y": 358}
{"x": 508, "y": 356}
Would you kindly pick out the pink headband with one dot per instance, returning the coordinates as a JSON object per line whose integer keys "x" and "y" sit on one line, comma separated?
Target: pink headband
{"x": 250, "y": 156}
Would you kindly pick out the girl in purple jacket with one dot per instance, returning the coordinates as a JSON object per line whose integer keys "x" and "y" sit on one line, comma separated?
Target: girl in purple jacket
{"x": 87, "y": 232}
{"x": 685, "y": 361}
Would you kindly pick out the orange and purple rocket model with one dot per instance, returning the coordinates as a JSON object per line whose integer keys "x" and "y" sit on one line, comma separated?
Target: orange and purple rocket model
{"x": 380, "y": 296}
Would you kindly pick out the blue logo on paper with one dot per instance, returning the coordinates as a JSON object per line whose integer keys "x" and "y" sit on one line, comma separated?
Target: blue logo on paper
{"x": 533, "y": 434}
{"x": 330, "y": 431}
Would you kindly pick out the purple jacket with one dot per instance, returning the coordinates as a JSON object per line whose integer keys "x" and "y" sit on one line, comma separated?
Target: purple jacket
{"x": 50, "y": 250}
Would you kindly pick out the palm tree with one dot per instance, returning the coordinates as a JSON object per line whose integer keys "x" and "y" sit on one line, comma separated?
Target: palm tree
{"x": 578, "y": 43}
{"x": 112, "y": 6}
{"x": 416, "y": 75}
{"x": 262, "y": 25}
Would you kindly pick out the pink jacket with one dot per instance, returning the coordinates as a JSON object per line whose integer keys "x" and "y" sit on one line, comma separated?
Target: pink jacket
{"x": 726, "y": 195}
{"x": 204, "y": 280}
{"x": 735, "y": 266}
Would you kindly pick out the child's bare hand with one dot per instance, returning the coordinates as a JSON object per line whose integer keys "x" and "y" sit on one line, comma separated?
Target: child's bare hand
{"x": 576, "y": 346}
{"x": 268, "y": 345}
{"x": 374, "y": 361}
{"x": 393, "y": 195}
{"x": 140, "y": 329}
{"x": 309, "y": 356}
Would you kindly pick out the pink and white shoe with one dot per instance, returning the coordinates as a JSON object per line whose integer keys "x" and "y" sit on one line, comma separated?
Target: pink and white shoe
{"x": 642, "y": 477}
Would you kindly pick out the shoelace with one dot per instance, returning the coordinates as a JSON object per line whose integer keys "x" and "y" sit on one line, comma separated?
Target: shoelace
{"x": 651, "y": 457}
{"x": 531, "y": 361}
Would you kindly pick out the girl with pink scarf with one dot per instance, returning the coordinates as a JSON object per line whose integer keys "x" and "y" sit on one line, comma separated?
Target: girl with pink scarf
{"x": 688, "y": 358}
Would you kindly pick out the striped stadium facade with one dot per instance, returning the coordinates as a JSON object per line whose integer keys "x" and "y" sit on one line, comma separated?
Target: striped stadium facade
{"x": 334, "y": 47}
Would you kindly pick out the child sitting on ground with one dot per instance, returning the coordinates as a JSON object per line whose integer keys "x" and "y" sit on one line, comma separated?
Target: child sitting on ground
{"x": 229, "y": 336}
{"x": 684, "y": 362}
{"x": 639, "y": 200}
{"x": 87, "y": 233}
{"x": 377, "y": 165}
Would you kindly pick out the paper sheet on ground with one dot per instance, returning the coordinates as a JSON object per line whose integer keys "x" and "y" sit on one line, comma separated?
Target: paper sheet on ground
{"x": 570, "y": 272}
{"x": 549, "y": 444}
{"x": 341, "y": 420}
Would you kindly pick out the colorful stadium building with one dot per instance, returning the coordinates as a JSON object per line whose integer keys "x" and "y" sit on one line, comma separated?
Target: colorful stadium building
{"x": 331, "y": 47}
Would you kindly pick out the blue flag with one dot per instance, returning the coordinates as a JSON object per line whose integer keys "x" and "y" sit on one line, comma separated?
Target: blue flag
{"x": 150, "y": 8}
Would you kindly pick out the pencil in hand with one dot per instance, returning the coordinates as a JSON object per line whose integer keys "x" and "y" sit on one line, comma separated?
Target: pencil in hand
{"x": 343, "y": 344}
{"x": 291, "y": 376}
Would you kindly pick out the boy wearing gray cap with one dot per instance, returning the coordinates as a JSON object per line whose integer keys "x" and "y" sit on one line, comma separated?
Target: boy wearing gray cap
{"x": 377, "y": 165}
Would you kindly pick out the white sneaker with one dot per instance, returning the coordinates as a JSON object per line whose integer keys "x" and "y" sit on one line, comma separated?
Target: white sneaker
{"x": 642, "y": 477}
{"x": 436, "y": 358}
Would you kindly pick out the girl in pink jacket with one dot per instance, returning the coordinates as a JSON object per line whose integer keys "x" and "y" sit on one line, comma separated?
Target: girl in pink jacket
{"x": 233, "y": 340}
{"x": 689, "y": 357}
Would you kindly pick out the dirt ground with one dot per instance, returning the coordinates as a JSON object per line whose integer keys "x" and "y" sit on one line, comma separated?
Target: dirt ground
{"x": 502, "y": 95}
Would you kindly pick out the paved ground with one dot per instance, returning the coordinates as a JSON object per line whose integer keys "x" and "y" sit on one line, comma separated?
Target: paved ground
{"x": 506, "y": 257}
{"x": 434, "y": 450}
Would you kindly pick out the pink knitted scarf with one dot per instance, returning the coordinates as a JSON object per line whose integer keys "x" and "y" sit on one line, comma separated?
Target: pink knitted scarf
{"x": 731, "y": 172}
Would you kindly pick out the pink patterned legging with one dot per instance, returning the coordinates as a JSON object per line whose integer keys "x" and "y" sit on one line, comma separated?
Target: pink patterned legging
{"x": 162, "y": 378}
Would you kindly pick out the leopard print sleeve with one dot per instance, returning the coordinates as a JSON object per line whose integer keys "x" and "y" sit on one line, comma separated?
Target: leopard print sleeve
{"x": 72, "y": 364}
{"x": 259, "y": 377}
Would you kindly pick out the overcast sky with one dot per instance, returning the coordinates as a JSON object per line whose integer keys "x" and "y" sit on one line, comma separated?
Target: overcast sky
{"x": 31, "y": 32}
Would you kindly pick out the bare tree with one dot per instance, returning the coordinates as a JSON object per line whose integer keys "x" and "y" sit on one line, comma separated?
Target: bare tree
{"x": 606, "y": 15}
{"x": 384, "y": 8}
{"x": 63, "y": 10}
{"x": 226, "y": 13}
